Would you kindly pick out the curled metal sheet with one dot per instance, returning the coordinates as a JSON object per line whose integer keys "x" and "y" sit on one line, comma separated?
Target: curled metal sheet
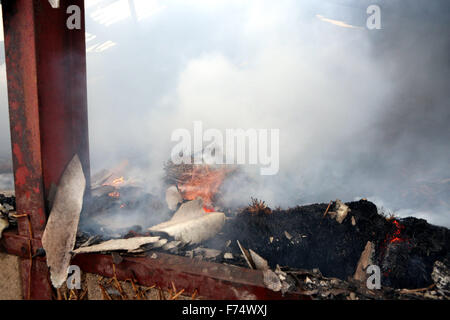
{"x": 129, "y": 244}
{"x": 191, "y": 224}
{"x": 60, "y": 232}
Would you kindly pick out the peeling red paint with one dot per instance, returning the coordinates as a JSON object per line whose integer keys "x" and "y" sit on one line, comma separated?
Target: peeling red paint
{"x": 18, "y": 127}
{"x": 210, "y": 280}
{"x": 41, "y": 214}
{"x": 21, "y": 176}
{"x": 47, "y": 96}
{"x": 17, "y": 153}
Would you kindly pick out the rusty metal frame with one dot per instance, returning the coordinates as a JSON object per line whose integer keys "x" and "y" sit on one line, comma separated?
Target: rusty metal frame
{"x": 47, "y": 92}
{"x": 210, "y": 280}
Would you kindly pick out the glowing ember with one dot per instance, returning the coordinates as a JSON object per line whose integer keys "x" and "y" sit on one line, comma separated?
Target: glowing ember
{"x": 396, "y": 236}
{"x": 208, "y": 209}
{"x": 114, "y": 194}
{"x": 393, "y": 238}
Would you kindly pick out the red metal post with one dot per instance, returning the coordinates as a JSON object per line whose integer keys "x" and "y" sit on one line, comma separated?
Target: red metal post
{"x": 46, "y": 73}
{"x": 214, "y": 281}
{"x": 211, "y": 280}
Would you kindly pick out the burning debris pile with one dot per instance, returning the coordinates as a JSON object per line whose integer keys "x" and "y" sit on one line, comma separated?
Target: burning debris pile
{"x": 339, "y": 239}
{"x": 303, "y": 237}
{"x": 117, "y": 206}
{"x": 193, "y": 181}
{"x": 320, "y": 250}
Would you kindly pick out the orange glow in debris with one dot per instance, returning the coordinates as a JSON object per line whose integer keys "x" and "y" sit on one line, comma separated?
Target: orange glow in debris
{"x": 114, "y": 194}
{"x": 203, "y": 182}
{"x": 118, "y": 181}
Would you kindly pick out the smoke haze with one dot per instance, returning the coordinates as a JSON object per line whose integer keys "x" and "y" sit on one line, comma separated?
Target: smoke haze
{"x": 362, "y": 113}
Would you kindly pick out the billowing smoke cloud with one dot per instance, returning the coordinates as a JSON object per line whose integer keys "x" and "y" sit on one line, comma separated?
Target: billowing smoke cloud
{"x": 361, "y": 113}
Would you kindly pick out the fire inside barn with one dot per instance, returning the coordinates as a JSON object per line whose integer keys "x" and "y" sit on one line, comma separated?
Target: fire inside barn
{"x": 206, "y": 227}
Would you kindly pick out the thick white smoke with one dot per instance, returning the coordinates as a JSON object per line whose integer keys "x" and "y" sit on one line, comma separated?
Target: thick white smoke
{"x": 361, "y": 113}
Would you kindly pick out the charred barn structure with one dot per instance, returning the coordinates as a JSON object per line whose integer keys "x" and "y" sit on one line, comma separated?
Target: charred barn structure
{"x": 189, "y": 244}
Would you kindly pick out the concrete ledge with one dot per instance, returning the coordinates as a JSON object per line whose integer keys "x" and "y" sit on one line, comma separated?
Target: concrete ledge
{"x": 10, "y": 280}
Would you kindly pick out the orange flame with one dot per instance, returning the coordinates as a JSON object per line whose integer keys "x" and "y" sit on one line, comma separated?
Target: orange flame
{"x": 114, "y": 182}
{"x": 118, "y": 181}
{"x": 208, "y": 209}
{"x": 205, "y": 183}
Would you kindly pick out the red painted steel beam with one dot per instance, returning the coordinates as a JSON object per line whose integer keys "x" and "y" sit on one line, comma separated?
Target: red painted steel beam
{"x": 35, "y": 280}
{"x": 46, "y": 74}
{"x": 211, "y": 280}
{"x": 18, "y": 245}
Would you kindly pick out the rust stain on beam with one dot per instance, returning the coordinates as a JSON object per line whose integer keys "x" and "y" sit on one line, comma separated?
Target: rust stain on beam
{"x": 211, "y": 280}
{"x": 15, "y": 244}
{"x": 46, "y": 74}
